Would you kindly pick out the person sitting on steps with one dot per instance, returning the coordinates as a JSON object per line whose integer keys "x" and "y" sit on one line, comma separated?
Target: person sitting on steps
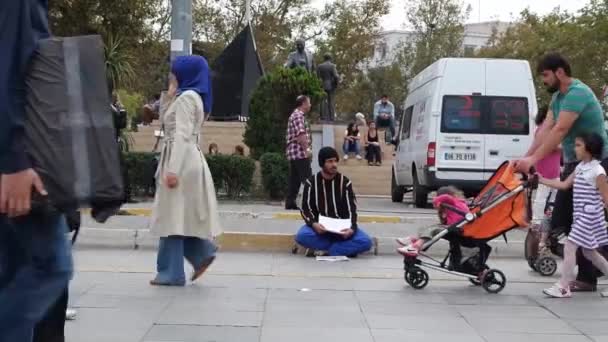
{"x": 374, "y": 151}
{"x": 352, "y": 141}
{"x": 330, "y": 194}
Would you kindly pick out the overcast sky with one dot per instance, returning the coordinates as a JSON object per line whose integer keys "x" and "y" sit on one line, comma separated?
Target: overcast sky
{"x": 489, "y": 10}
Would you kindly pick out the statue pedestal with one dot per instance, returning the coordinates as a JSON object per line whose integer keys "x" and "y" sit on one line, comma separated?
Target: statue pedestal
{"x": 322, "y": 135}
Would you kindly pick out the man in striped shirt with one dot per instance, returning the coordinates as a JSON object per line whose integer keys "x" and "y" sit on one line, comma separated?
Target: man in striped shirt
{"x": 331, "y": 194}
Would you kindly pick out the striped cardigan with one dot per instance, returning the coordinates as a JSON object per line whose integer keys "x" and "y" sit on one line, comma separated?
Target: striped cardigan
{"x": 333, "y": 198}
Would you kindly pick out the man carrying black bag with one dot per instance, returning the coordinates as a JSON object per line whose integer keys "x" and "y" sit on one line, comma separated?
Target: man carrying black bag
{"x": 35, "y": 257}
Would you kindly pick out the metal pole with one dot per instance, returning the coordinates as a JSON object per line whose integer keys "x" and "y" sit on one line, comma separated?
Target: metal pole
{"x": 181, "y": 28}
{"x": 247, "y": 12}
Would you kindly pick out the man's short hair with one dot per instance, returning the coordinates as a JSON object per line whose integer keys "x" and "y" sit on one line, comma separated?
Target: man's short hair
{"x": 384, "y": 96}
{"x": 300, "y": 100}
{"x": 554, "y": 61}
{"x": 327, "y": 57}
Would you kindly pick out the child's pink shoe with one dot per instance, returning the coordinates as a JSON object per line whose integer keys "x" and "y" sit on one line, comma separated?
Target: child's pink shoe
{"x": 406, "y": 241}
{"x": 408, "y": 251}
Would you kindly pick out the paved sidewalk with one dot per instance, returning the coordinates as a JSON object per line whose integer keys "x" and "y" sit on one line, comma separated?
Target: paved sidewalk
{"x": 280, "y": 297}
{"x": 269, "y": 228}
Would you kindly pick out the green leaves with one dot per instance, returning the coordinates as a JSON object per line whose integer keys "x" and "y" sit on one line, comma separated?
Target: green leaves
{"x": 272, "y": 102}
{"x": 581, "y": 37}
{"x": 275, "y": 173}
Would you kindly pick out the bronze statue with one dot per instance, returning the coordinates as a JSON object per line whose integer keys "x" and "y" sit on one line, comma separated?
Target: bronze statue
{"x": 301, "y": 57}
{"x": 329, "y": 78}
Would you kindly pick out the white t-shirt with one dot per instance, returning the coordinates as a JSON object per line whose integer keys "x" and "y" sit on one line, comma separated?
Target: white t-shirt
{"x": 590, "y": 171}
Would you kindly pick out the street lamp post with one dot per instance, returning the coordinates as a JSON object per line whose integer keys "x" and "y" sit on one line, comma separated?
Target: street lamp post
{"x": 181, "y": 28}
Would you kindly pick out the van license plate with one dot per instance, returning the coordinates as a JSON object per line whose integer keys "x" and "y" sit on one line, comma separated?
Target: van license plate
{"x": 460, "y": 156}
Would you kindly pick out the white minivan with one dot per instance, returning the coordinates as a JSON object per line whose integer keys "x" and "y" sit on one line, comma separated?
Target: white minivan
{"x": 463, "y": 118}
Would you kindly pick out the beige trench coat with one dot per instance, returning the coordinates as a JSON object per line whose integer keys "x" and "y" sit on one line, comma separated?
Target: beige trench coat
{"x": 191, "y": 208}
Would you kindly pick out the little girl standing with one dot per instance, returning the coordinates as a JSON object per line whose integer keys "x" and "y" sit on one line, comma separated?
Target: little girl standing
{"x": 590, "y": 196}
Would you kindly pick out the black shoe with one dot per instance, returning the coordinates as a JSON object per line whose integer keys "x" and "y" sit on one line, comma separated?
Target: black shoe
{"x": 291, "y": 207}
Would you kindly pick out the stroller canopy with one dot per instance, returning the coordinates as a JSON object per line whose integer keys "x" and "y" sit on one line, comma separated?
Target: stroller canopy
{"x": 504, "y": 204}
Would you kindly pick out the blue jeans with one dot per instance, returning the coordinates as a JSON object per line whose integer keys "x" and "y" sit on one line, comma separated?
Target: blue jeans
{"x": 35, "y": 269}
{"x": 334, "y": 244}
{"x": 171, "y": 253}
{"x": 351, "y": 147}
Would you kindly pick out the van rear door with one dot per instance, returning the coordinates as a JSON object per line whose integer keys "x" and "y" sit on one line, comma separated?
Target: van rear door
{"x": 510, "y": 100}
{"x": 460, "y": 142}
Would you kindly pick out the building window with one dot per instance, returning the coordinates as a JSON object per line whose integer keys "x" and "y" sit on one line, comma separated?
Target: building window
{"x": 382, "y": 50}
{"x": 469, "y": 50}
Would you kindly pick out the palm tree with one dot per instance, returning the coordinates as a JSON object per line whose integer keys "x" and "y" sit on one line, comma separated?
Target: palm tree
{"x": 118, "y": 62}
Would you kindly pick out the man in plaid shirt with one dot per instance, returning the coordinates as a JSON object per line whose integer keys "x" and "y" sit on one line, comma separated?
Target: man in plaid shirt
{"x": 298, "y": 150}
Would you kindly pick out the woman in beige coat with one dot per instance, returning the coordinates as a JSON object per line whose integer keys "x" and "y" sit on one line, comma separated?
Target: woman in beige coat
{"x": 185, "y": 214}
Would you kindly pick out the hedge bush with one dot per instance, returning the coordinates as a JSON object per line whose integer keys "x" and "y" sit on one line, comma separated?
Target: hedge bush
{"x": 141, "y": 167}
{"x": 231, "y": 174}
{"x": 272, "y": 102}
{"x": 275, "y": 173}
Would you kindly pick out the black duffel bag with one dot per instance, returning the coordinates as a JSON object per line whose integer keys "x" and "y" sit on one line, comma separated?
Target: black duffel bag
{"x": 70, "y": 134}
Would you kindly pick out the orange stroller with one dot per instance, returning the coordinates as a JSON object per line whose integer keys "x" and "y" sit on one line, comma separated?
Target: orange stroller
{"x": 503, "y": 204}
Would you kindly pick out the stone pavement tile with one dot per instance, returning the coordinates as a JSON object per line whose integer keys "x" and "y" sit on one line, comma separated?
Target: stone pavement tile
{"x": 196, "y": 316}
{"x": 322, "y": 317}
{"x": 484, "y": 298}
{"x": 243, "y": 263}
{"x": 309, "y": 333}
{"x": 311, "y": 282}
{"x": 406, "y": 296}
{"x": 197, "y": 333}
{"x": 401, "y": 309}
{"x": 379, "y": 284}
{"x": 288, "y": 307}
{"x": 235, "y": 281}
{"x": 603, "y": 338}
{"x": 574, "y": 309}
{"x": 524, "y": 325}
{"x": 420, "y": 323}
{"x": 321, "y": 296}
{"x": 111, "y": 324}
{"x": 591, "y": 327}
{"x": 393, "y": 335}
{"x": 508, "y": 337}
{"x": 217, "y": 306}
{"x": 498, "y": 311}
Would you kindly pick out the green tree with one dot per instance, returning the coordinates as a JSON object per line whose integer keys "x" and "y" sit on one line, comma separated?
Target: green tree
{"x": 438, "y": 31}
{"x": 272, "y": 104}
{"x": 378, "y": 81}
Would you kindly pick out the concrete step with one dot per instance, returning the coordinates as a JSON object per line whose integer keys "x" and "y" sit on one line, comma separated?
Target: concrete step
{"x": 226, "y": 135}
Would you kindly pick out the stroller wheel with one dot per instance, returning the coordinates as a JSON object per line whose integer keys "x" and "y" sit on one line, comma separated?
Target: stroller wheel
{"x": 417, "y": 278}
{"x": 493, "y": 281}
{"x": 546, "y": 266}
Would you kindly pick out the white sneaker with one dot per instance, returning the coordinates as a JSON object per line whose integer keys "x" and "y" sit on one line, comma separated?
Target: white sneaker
{"x": 557, "y": 291}
{"x": 346, "y": 157}
{"x": 70, "y": 314}
{"x": 359, "y": 157}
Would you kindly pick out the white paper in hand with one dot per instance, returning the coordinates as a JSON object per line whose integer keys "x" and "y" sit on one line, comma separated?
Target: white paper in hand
{"x": 333, "y": 225}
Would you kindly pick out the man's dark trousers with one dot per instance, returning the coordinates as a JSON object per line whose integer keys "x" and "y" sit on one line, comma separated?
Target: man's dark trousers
{"x": 299, "y": 171}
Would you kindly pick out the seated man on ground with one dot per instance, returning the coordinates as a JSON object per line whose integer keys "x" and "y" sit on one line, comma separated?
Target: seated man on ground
{"x": 330, "y": 194}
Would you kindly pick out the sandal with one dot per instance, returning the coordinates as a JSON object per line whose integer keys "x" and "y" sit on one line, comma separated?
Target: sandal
{"x": 155, "y": 282}
{"x": 198, "y": 273}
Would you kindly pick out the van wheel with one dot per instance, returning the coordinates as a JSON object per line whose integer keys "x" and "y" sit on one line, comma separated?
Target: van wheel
{"x": 420, "y": 194}
{"x": 397, "y": 192}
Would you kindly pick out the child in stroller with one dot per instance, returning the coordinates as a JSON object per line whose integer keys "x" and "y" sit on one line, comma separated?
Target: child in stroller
{"x": 451, "y": 208}
{"x": 448, "y": 196}
{"x": 502, "y": 205}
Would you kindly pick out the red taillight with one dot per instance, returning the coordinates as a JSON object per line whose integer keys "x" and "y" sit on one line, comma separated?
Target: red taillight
{"x": 430, "y": 154}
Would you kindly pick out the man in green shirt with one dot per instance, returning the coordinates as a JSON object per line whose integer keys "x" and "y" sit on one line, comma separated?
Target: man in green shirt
{"x": 574, "y": 110}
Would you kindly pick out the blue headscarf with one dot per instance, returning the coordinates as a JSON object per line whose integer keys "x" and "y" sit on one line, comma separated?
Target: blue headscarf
{"x": 192, "y": 73}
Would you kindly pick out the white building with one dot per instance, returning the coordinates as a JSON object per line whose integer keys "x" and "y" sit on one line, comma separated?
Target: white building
{"x": 475, "y": 36}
